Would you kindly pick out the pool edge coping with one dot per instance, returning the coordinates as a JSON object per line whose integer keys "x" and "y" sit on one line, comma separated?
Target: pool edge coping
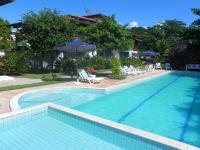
{"x": 131, "y": 130}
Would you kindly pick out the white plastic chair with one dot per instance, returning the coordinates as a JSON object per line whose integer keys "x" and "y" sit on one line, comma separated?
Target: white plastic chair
{"x": 168, "y": 66}
{"x": 124, "y": 71}
{"x": 131, "y": 71}
{"x": 158, "y": 66}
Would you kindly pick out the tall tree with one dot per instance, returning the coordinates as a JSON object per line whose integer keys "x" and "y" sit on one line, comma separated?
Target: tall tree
{"x": 140, "y": 37}
{"x": 108, "y": 35}
{"x": 192, "y": 37}
{"x": 174, "y": 31}
{"x": 192, "y": 55}
{"x": 173, "y": 34}
{"x": 194, "y": 29}
{"x": 46, "y": 29}
{"x": 5, "y": 35}
{"x": 196, "y": 11}
{"x": 160, "y": 37}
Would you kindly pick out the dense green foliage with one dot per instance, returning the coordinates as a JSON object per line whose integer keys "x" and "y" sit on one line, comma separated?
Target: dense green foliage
{"x": 68, "y": 66}
{"x": 160, "y": 38}
{"x": 132, "y": 61}
{"x": 96, "y": 62}
{"x": 44, "y": 30}
{"x": 14, "y": 62}
{"x": 108, "y": 35}
{"x": 194, "y": 38}
{"x": 5, "y": 33}
{"x": 192, "y": 53}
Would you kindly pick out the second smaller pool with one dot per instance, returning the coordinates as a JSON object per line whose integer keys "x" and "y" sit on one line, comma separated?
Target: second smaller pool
{"x": 69, "y": 97}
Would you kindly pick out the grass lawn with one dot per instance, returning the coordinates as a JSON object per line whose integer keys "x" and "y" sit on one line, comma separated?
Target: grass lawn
{"x": 14, "y": 87}
{"x": 35, "y": 76}
{"x": 39, "y": 76}
{"x": 103, "y": 72}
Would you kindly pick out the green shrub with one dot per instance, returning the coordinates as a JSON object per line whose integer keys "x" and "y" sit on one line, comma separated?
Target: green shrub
{"x": 48, "y": 77}
{"x": 15, "y": 63}
{"x": 132, "y": 61}
{"x": 1, "y": 65}
{"x": 103, "y": 63}
{"x": 116, "y": 73}
{"x": 68, "y": 66}
{"x": 96, "y": 62}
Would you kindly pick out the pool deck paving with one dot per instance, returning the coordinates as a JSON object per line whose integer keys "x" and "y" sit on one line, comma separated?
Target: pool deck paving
{"x": 6, "y": 96}
{"x": 19, "y": 81}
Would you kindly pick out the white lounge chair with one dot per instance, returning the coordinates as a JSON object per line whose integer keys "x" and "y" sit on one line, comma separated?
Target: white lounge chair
{"x": 83, "y": 76}
{"x": 149, "y": 68}
{"x": 124, "y": 71}
{"x": 192, "y": 67}
{"x": 168, "y": 66}
{"x": 152, "y": 67}
{"x": 158, "y": 66}
{"x": 139, "y": 71}
{"x": 146, "y": 67}
{"x": 131, "y": 71}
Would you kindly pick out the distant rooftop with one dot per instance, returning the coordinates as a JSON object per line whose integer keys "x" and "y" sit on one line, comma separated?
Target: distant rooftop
{"x": 80, "y": 17}
{"x": 93, "y": 16}
{"x": 82, "y": 20}
{"x": 16, "y": 25}
{"x": 87, "y": 20}
{"x": 3, "y": 2}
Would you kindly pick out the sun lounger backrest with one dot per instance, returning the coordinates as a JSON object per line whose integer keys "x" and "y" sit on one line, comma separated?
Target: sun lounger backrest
{"x": 83, "y": 74}
{"x": 123, "y": 70}
{"x": 158, "y": 65}
{"x": 131, "y": 67}
{"x": 193, "y": 66}
{"x": 167, "y": 65}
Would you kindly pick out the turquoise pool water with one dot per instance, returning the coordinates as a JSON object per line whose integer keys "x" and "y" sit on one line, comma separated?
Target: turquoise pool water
{"x": 168, "y": 105}
{"x": 51, "y": 129}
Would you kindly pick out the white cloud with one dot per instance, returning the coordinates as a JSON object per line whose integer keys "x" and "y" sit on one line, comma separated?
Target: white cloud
{"x": 161, "y": 23}
{"x": 133, "y": 24}
{"x": 146, "y": 27}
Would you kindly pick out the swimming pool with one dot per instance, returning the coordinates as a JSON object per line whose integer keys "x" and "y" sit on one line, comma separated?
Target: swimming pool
{"x": 54, "y": 127}
{"x": 167, "y": 105}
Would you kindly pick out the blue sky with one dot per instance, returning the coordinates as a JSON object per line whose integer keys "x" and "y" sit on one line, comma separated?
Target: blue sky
{"x": 143, "y": 12}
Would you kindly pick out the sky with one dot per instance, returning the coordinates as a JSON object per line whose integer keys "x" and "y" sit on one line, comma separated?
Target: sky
{"x": 133, "y": 12}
